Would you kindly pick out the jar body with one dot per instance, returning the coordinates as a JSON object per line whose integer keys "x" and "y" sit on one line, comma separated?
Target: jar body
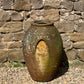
{"x": 42, "y": 48}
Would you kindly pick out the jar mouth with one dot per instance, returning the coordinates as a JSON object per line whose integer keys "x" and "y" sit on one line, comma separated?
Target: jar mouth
{"x": 42, "y": 23}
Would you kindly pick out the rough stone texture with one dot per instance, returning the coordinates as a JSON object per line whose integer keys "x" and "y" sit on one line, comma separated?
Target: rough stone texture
{"x": 81, "y": 54}
{"x": 15, "y": 16}
{"x": 7, "y": 4}
{"x": 15, "y": 55}
{"x": 2, "y": 23}
{"x": 11, "y": 27}
{"x": 7, "y": 44}
{"x": 36, "y": 4}
{"x": 52, "y": 4}
{"x": 19, "y": 36}
{"x": 79, "y": 6}
{"x": 3, "y": 55}
{"x": 83, "y": 15}
{"x": 8, "y": 37}
{"x": 71, "y": 17}
{"x": 4, "y": 16}
{"x": 0, "y": 37}
{"x": 0, "y": 3}
{"x": 79, "y": 44}
{"x": 22, "y": 5}
{"x": 77, "y": 37}
{"x": 66, "y": 40}
{"x": 63, "y": 12}
{"x": 2, "y": 45}
{"x": 20, "y": 75}
{"x": 71, "y": 54}
{"x": 26, "y": 14}
{"x": 80, "y": 27}
{"x": 15, "y": 45}
{"x": 27, "y": 24}
{"x": 65, "y": 26}
{"x": 67, "y": 5}
{"x": 36, "y": 15}
{"x": 51, "y": 14}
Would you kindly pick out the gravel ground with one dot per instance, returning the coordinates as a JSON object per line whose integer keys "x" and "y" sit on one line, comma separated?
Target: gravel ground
{"x": 20, "y": 75}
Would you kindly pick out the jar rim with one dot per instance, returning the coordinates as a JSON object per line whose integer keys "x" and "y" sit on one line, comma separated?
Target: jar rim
{"x": 42, "y": 23}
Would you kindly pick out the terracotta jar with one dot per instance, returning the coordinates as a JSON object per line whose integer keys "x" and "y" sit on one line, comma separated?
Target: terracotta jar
{"x": 42, "y": 48}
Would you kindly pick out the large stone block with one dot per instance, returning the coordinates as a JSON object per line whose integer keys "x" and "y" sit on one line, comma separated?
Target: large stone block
{"x": 66, "y": 40}
{"x": 79, "y": 6}
{"x": 2, "y": 45}
{"x": 27, "y": 24}
{"x": 19, "y": 36}
{"x": 15, "y": 16}
{"x": 83, "y": 15}
{"x": 70, "y": 17}
{"x": 22, "y": 5}
{"x": 2, "y": 23}
{"x": 3, "y": 55}
{"x": 15, "y": 45}
{"x": 8, "y": 37}
{"x": 80, "y": 27}
{"x": 52, "y": 15}
{"x": 12, "y": 27}
{"x": 67, "y": 5}
{"x": 81, "y": 54}
{"x": 71, "y": 54}
{"x": 52, "y": 4}
{"x": 0, "y": 3}
{"x": 79, "y": 44}
{"x": 15, "y": 55}
{"x": 64, "y": 12}
{"x": 77, "y": 37}
{"x": 7, "y": 4}
{"x": 36, "y": 4}
{"x": 4, "y": 16}
{"x": 0, "y": 37}
{"x": 66, "y": 26}
{"x": 49, "y": 14}
{"x": 36, "y": 14}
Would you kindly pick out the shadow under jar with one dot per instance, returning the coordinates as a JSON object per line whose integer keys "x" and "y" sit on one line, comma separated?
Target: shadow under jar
{"x": 42, "y": 48}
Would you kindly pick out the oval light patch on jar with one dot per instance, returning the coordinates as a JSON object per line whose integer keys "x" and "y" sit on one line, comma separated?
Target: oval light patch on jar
{"x": 42, "y": 55}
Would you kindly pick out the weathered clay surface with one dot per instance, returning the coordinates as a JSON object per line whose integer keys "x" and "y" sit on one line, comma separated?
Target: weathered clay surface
{"x": 42, "y": 37}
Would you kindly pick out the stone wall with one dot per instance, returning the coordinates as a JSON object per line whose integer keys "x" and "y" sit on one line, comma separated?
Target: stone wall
{"x": 15, "y": 18}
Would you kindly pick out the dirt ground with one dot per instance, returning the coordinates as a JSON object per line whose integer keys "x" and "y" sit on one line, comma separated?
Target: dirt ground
{"x": 20, "y": 75}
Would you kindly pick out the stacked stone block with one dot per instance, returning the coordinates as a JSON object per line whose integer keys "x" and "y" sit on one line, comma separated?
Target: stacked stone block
{"x": 16, "y": 16}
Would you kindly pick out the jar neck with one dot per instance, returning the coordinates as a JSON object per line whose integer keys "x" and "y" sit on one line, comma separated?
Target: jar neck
{"x": 42, "y": 23}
